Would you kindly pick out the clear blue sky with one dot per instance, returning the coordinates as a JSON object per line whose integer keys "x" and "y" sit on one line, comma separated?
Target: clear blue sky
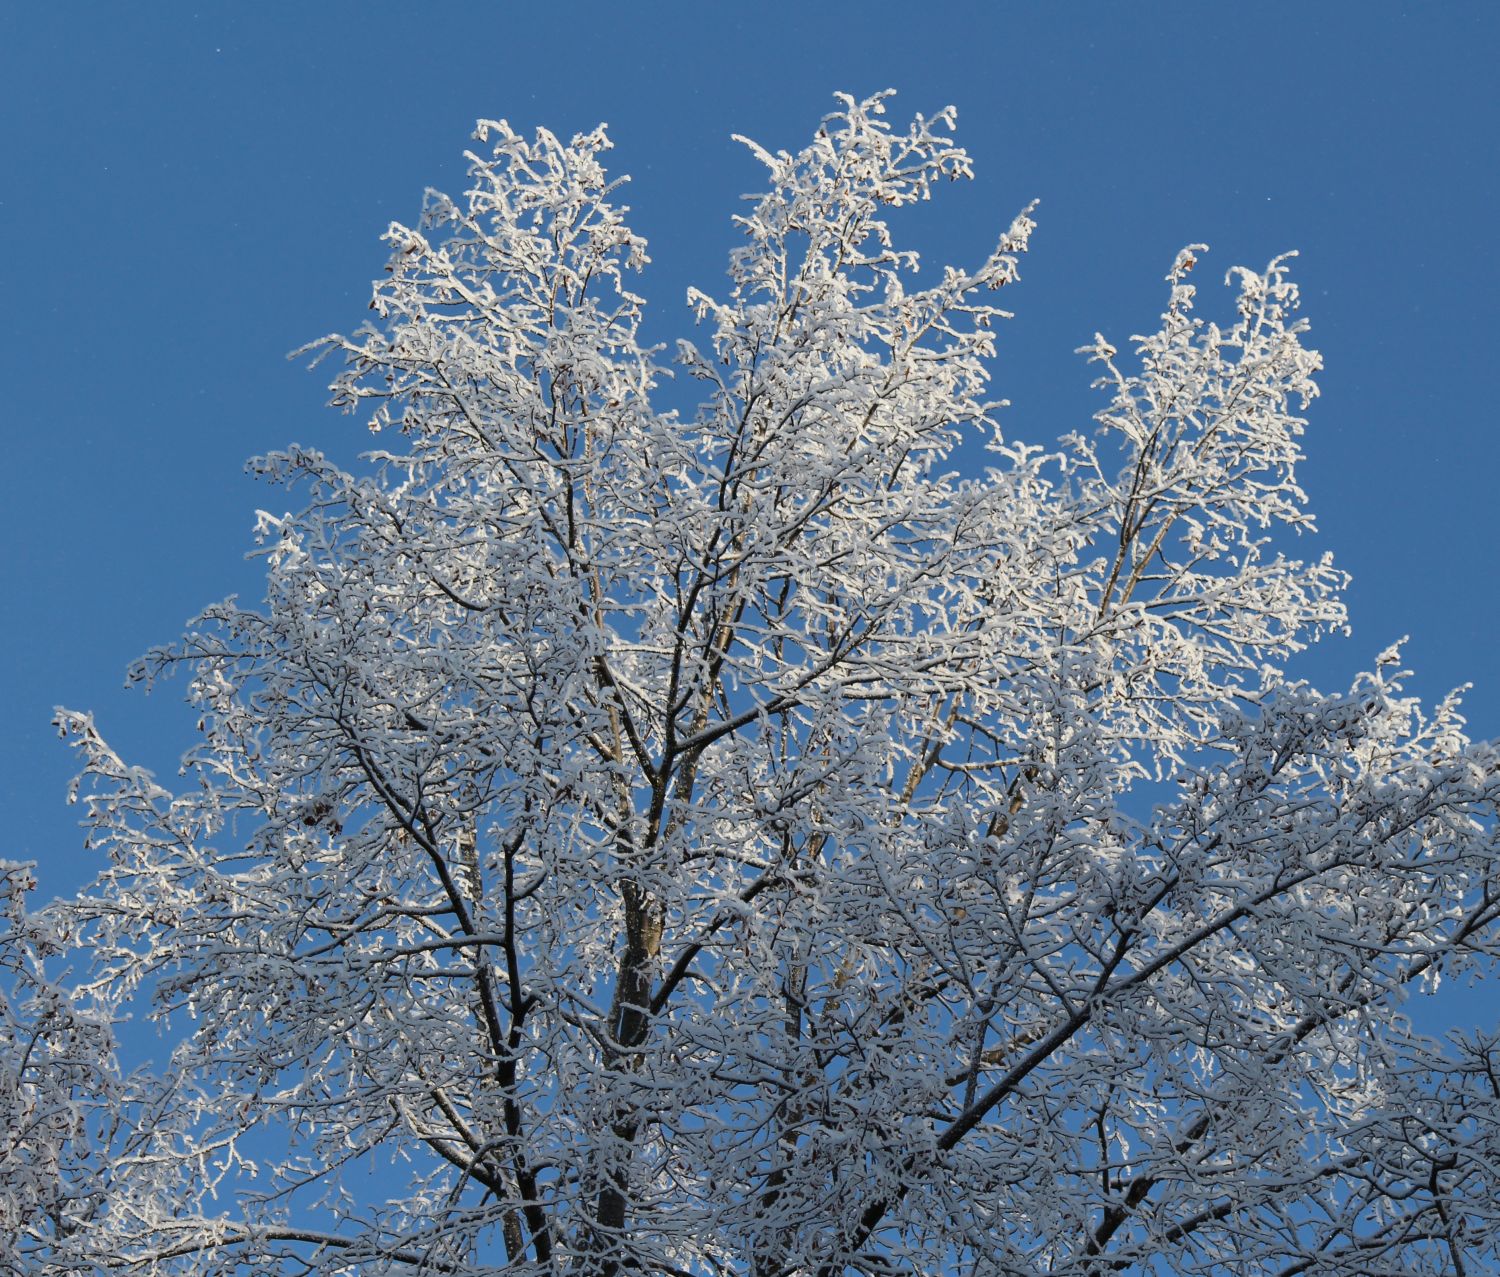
{"x": 189, "y": 191}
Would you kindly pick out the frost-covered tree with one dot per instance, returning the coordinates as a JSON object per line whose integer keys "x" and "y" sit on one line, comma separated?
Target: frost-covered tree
{"x": 738, "y": 841}
{"x": 56, "y": 1077}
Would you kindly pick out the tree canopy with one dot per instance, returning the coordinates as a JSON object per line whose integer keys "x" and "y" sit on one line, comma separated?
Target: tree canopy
{"x": 747, "y": 841}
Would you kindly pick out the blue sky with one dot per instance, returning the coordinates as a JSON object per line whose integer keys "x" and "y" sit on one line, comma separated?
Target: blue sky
{"x": 188, "y": 191}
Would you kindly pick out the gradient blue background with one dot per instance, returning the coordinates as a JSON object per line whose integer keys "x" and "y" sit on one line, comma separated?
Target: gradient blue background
{"x": 189, "y": 191}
